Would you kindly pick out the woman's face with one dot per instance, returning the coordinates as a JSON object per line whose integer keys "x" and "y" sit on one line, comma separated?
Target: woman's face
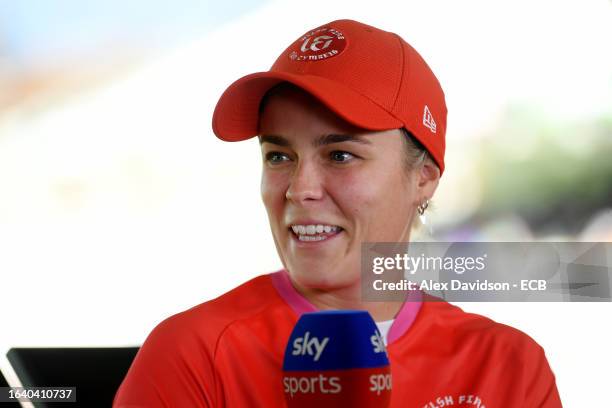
{"x": 328, "y": 186}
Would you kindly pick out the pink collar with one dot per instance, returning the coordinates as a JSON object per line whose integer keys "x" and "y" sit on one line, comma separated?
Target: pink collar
{"x": 402, "y": 322}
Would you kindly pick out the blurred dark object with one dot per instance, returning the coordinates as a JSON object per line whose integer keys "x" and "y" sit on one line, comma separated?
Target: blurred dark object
{"x": 95, "y": 372}
{"x": 3, "y": 383}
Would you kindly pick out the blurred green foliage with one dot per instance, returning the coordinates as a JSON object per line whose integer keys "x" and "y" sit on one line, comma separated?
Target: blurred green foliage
{"x": 553, "y": 174}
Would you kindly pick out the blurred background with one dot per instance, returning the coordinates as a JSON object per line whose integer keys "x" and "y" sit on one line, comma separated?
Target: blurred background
{"x": 119, "y": 207}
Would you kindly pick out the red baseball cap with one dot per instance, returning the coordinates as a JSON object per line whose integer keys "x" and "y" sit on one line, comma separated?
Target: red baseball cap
{"x": 371, "y": 78}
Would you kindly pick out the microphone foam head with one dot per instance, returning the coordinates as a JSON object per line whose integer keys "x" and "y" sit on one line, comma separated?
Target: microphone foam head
{"x": 336, "y": 358}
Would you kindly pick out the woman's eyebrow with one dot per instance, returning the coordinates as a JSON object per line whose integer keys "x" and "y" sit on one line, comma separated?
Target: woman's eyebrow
{"x": 321, "y": 141}
{"x": 339, "y": 138}
{"x": 274, "y": 139}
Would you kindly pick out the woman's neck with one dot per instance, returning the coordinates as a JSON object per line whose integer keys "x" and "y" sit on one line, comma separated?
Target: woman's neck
{"x": 350, "y": 299}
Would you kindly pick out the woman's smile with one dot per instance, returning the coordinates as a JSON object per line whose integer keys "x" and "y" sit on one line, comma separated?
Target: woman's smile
{"x": 314, "y": 232}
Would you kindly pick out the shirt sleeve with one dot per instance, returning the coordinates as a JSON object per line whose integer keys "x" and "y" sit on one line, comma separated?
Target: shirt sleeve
{"x": 173, "y": 368}
{"x": 540, "y": 387}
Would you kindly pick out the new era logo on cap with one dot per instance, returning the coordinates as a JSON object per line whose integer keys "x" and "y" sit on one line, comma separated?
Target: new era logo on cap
{"x": 428, "y": 120}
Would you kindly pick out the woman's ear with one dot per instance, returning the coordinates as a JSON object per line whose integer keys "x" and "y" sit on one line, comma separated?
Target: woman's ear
{"x": 428, "y": 179}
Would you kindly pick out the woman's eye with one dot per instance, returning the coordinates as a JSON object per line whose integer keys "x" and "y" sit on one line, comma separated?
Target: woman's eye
{"x": 341, "y": 156}
{"x": 276, "y": 157}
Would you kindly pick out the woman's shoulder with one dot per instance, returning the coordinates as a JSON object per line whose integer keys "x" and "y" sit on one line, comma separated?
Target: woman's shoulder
{"x": 176, "y": 362}
{"x": 205, "y": 322}
{"x": 470, "y": 351}
{"x": 454, "y": 323}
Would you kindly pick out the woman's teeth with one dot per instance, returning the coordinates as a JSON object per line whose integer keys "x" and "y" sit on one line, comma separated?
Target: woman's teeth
{"x": 311, "y": 232}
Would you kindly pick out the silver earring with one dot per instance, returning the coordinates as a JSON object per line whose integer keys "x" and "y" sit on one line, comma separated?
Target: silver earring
{"x": 422, "y": 207}
{"x": 421, "y": 210}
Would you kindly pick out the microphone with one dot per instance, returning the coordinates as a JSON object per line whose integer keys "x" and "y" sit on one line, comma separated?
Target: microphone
{"x": 336, "y": 358}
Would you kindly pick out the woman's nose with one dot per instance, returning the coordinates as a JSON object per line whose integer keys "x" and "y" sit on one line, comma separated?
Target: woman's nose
{"x": 305, "y": 184}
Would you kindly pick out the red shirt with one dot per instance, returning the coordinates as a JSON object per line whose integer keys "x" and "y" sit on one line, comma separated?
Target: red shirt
{"x": 228, "y": 352}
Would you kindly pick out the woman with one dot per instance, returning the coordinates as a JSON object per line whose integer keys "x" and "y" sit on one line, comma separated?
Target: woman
{"x": 351, "y": 123}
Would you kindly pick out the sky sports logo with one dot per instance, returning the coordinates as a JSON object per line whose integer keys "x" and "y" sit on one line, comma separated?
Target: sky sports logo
{"x": 314, "y": 347}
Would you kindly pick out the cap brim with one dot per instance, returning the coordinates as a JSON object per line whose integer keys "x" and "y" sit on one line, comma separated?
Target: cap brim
{"x": 236, "y": 115}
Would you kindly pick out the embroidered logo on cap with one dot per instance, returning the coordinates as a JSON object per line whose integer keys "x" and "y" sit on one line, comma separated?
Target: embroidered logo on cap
{"x": 319, "y": 44}
{"x": 428, "y": 120}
